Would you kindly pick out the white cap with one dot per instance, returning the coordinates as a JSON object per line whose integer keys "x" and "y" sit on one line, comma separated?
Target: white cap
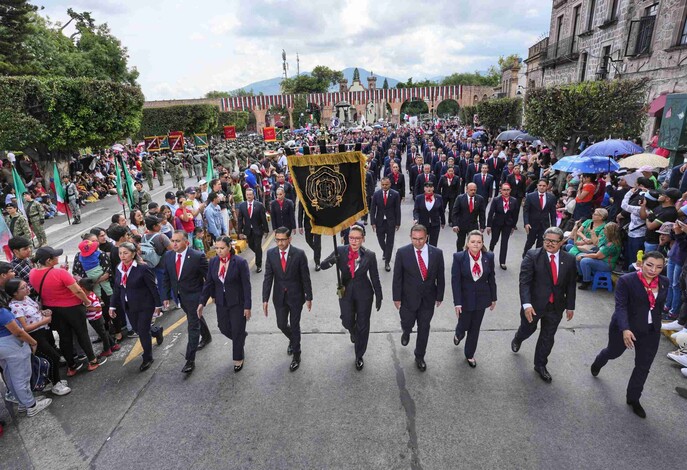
{"x": 254, "y": 167}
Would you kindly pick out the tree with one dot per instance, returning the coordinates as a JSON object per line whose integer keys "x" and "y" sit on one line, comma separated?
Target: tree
{"x": 448, "y": 108}
{"x": 385, "y": 86}
{"x": 194, "y": 118}
{"x": 317, "y": 81}
{"x": 217, "y": 94}
{"x": 475, "y": 79}
{"x": 466, "y": 114}
{"x": 51, "y": 118}
{"x": 411, "y": 84}
{"x": 498, "y": 113}
{"x": 15, "y": 18}
{"x": 233, "y": 118}
{"x": 592, "y": 109}
{"x": 508, "y": 61}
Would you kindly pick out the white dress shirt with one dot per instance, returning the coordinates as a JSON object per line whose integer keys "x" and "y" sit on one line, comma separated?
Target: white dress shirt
{"x": 425, "y": 257}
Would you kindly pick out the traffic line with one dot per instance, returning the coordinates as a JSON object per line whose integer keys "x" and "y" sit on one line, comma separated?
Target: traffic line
{"x": 137, "y": 350}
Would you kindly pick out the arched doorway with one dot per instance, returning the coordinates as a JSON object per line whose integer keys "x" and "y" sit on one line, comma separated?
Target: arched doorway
{"x": 415, "y": 107}
{"x": 447, "y": 108}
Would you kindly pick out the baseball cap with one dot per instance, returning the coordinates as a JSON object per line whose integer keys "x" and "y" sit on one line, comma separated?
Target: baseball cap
{"x": 666, "y": 228}
{"x": 170, "y": 195}
{"x": 45, "y": 253}
{"x": 673, "y": 193}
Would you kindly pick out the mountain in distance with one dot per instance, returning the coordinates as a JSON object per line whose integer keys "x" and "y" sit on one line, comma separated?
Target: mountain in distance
{"x": 271, "y": 86}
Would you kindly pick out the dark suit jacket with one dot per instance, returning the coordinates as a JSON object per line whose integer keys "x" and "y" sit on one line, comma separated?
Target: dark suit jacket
{"x": 533, "y": 214}
{"x": 255, "y": 225}
{"x": 517, "y": 190}
{"x": 495, "y": 171}
{"x": 283, "y": 217}
{"x": 461, "y": 216}
{"x": 408, "y": 287}
{"x": 498, "y": 218}
{"x": 432, "y": 218}
{"x": 392, "y": 210}
{"x": 471, "y": 171}
{"x": 440, "y": 169}
{"x": 632, "y": 304}
{"x": 420, "y": 181}
{"x": 449, "y": 192}
{"x": 191, "y": 280}
{"x": 470, "y": 294}
{"x": 399, "y": 187}
{"x": 292, "y": 287}
{"x": 141, "y": 289}
{"x": 234, "y": 291}
{"x": 366, "y": 283}
{"x": 289, "y": 191}
{"x": 412, "y": 176}
{"x": 536, "y": 281}
{"x": 484, "y": 190}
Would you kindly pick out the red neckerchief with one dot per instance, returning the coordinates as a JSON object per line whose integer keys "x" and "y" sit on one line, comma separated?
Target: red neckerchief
{"x": 429, "y": 197}
{"x": 649, "y": 287}
{"x": 395, "y": 175}
{"x": 476, "y": 270}
{"x": 352, "y": 256}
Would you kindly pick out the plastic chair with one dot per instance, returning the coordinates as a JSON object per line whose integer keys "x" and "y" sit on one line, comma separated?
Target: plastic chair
{"x": 603, "y": 280}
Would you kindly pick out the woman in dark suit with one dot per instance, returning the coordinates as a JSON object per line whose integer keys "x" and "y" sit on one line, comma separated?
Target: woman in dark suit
{"x": 636, "y": 323}
{"x": 474, "y": 289}
{"x": 228, "y": 282}
{"x": 135, "y": 292}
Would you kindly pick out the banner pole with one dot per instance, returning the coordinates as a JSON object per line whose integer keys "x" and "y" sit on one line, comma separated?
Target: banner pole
{"x": 339, "y": 286}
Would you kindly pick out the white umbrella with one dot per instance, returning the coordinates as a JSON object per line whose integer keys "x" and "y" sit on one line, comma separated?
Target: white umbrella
{"x": 644, "y": 159}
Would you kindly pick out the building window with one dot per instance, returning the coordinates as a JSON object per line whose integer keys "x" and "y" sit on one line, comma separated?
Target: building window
{"x": 641, "y": 32}
{"x": 559, "y": 27}
{"x": 614, "y": 10}
{"x": 575, "y": 25}
{"x": 583, "y": 66}
{"x": 683, "y": 37}
{"x": 590, "y": 20}
{"x": 605, "y": 62}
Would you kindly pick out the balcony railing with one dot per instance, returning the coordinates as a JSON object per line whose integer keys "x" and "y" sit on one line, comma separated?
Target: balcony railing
{"x": 538, "y": 48}
{"x": 564, "y": 49}
{"x": 639, "y": 36}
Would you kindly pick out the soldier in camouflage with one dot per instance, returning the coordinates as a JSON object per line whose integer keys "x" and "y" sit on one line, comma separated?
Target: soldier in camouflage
{"x": 72, "y": 198}
{"x": 157, "y": 165}
{"x": 36, "y": 215}
{"x": 187, "y": 159}
{"x": 147, "y": 168}
{"x": 176, "y": 171}
{"x": 198, "y": 166}
{"x": 17, "y": 223}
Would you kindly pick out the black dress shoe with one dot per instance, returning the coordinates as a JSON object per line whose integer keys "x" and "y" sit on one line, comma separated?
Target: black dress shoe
{"x": 420, "y": 363}
{"x": 595, "y": 369}
{"x": 317, "y": 266}
{"x": 289, "y": 350}
{"x": 387, "y": 267}
{"x": 584, "y": 285}
{"x": 259, "y": 270}
{"x": 457, "y": 340}
{"x": 159, "y": 337}
{"x": 544, "y": 374}
{"x": 188, "y": 367}
{"x": 359, "y": 364}
{"x": 472, "y": 363}
{"x": 239, "y": 367}
{"x": 204, "y": 342}
{"x": 352, "y": 337}
{"x": 504, "y": 267}
{"x": 295, "y": 362}
{"x": 515, "y": 345}
{"x": 405, "y": 338}
{"x": 146, "y": 365}
{"x": 637, "y": 408}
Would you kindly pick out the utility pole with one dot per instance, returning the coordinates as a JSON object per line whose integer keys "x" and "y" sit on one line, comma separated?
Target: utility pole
{"x": 284, "y": 64}
{"x": 298, "y": 65}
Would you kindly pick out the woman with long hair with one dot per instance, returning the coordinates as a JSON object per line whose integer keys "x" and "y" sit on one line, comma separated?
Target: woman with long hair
{"x": 604, "y": 259}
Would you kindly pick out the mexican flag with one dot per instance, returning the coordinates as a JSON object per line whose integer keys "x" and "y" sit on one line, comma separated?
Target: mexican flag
{"x": 19, "y": 189}
{"x": 60, "y": 194}
{"x": 118, "y": 182}
{"x": 209, "y": 173}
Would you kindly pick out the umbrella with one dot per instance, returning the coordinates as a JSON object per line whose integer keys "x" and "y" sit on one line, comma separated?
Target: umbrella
{"x": 611, "y": 147}
{"x": 377, "y": 126}
{"x": 525, "y": 137}
{"x": 478, "y": 134}
{"x": 508, "y": 135}
{"x": 118, "y": 147}
{"x": 644, "y": 159}
{"x": 367, "y": 128}
{"x": 586, "y": 164}
{"x": 300, "y": 131}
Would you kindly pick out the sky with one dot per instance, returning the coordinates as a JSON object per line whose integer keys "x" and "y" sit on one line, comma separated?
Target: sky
{"x": 185, "y": 48}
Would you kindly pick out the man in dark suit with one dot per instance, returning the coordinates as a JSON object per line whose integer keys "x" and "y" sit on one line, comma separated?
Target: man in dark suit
{"x": 414, "y": 171}
{"x": 385, "y": 215}
{"x": 441, "y": 166}
{"x": 449, "y": 188}
{"x": 418, "y": 287}
{"x": 398, "y": 181}
{"x": 484, "y": 181}
{"x": 473, "y": 168}
{"x": 517, "y": 183}
{"x": 425, "y": 177}
{"x": 469, "y": 213}
{"x": 636, "y": 324}
{"x": 538, "y": 214}
{"x": 282, "y": 212}
{"x": 289, "y": 191}
{"x": 252, "y": 221}
{"x": 547, "y": 287}
{"x": 429, "y": 212}
{"x": 183, "y": 276}
{"x": 496, "y": 165}
{"x": 503, "y": 215}
{"x": 313, "y": 240}
{"x": 286, "y": 268}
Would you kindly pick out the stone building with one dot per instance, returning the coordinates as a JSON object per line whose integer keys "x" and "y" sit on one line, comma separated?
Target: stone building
{"x": 513, "y": 80}
{"x": 615, "y": 39}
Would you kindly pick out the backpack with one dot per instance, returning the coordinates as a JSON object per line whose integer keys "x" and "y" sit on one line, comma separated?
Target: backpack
{"x": 148, "y": 251}
{"x": 40, "y": 373}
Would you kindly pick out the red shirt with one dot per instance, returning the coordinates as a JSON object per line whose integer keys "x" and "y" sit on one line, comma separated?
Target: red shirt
{"x": 188, "y": 226}
{"x": 55, "y": 292}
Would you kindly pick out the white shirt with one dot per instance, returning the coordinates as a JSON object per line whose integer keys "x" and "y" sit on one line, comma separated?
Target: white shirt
{"x": 425, "y": 257}
{"x": 119, "y": 267}
{"x": 429, "y": 205}
{"x": 472, "y": 266}
{"x": 183, "y": 258}
{"x": 548, "y": 260}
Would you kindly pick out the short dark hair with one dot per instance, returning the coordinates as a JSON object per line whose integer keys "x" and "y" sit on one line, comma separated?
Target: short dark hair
{"x": 655, "y": 255}
{"x": 115, "y": 218}
{"x": 87, "y": 283}
{"x": 212, "y": 196}
{"x": 182, "y": 233}
{"x": 418, "y": 228}
{"x": 151, "y": 221}
{"x": 5, "y": 267}
{"x": 283, "y": 231}
{"x": 117, "y": 232}
{"x": 12, "y": 286}
{"x": 16, "y": 243}
{"x": 153, "y": 205}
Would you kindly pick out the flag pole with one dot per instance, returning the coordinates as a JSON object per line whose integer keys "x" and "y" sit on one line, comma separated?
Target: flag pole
{"x": 340, "y": 290}
{"x": 58, "y": 182}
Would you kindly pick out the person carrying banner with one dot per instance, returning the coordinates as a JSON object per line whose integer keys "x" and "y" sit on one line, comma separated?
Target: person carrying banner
{"x": 360, "y": 280}
{"x": 314, "y": 241}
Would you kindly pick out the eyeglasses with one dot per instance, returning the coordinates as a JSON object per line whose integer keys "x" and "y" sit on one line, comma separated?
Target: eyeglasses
{"x": 281, "y": 240}
{"x": 552, "y": 242}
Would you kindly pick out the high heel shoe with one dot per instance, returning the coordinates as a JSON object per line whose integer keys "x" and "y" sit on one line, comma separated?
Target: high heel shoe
{"x": 472, "y": 363}
{"x": 237, "y": 368}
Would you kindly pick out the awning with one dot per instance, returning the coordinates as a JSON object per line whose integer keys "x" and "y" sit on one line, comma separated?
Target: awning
{"x": 657, "y": 106}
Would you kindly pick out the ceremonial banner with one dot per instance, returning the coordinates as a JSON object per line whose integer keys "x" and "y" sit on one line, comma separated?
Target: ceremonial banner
{"x": 332, "y": 189}
{"x": 19, "y": 189}
{"x": 209, "y": 173}
{"x": 269, "y": 134}
{"x": 176, "y": 140}
{"x": 201, "y": 140}
{"x": 280, "y": 135}
{"x": 152, "y": 143}
{"x": 230, "y": 132}
{"x": 164, "y": 142}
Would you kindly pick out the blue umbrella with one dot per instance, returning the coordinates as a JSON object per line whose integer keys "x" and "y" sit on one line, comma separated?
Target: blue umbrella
{"x": 508, "y": 135}
{"x": 478, "y": 134}
{"x": 586, "y": 164}
{"x": 526, "y": 137}
{"x": 611, "y": 147}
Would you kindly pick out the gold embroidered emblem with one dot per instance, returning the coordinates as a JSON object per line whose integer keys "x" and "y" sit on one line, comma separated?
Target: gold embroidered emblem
{"x": 325, "y": 187}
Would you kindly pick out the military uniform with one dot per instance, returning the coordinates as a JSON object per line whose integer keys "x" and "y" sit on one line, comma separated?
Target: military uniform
{"x": 72, "y": 194}
{"x": 18, "y": 226}
{"x": 188, "y": 163}
{"x": 157, "y": 165}
{"x": 36, "y": 214}
{"x": 176, "y": 172}
{"x": 147, "y": 168}
{"x": 198, "y": 166}
{"x": 142, "y": 199}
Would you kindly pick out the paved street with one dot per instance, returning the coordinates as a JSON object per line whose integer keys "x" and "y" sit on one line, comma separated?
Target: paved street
{"x": 328, "y": 415}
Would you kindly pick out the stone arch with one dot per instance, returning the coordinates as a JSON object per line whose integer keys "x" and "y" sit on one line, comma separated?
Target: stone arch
{"x": 414, "y": 107}
{"x": 447, "y": 107}
{"x": 475, "y": 99}
{"x": 485, "y": 97}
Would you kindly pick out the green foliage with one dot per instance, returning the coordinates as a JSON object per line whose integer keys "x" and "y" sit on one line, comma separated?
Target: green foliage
{"x": 466, "y": 114}
{"x": 318, "y": 81}
{"x": 385, "y": 86}
{"x": 239, "y": 119}
{"x": 498, "y": 113}
{"x": 52, "y": 117}
{"x": 589, "y": 109}
{"x": 228, "y": 94}
{"x": 448, "y": 108}
{"x": 195, "y": 118}
{"x": 508, "y": 61}
{"x": 475, "y": 79}
{"x": 414, "y": 108}
{"x": 15, "y": 18}
{"x": 411, "y": 84}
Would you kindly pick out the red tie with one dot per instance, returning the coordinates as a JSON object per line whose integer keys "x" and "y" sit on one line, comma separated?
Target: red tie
{"x": 470, "y": 204}
{"x": 554, "y": 275}
{"x": 385, "y": 196}
{"x": 423, "y": 267}
{"x": 541, "y": 200}
{"x": 250, "y": 209}
{"x": 223, "y": 267}
{"x": 178, "y": 264}
{"x": 505, "y": 204}
{"x": 426, "y": 178}
{"x": 125, "y": 268}
{"x": 283, "y": 261}
{"x": 352, "y": 256}
{"x": 484, "y": 180}
{"x": 476, "y": 270}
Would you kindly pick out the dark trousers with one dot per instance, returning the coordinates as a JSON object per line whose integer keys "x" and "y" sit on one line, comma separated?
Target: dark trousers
{"x": 502, "y": 232}
{"x": 99, "y": 327}
{"x": 70, "y": 323}
{"x": 314, "y": 242}
{"x": 535, "y": 235}
{"x": 469, "y": 322}
{"x": 433, "y": 233}
{"x": 646, "y": 346}
{"x": 448, "y": 203}
{"x": 462, "y": 235}
{"x": 141, "y": 323}
{"x": 355, "y": 317}
{"x": 369, "y": 203}
{"x": 289, "y": 322}
{"x": 255, "y": 244}
{"x": 549, "y": 324}
{"x": 48, "y": 351}
{"x": 232, "y": 324}
{"x": 386, "y": 231}
{"x": 423, "y": 316}
{"x": 197, "y": 327}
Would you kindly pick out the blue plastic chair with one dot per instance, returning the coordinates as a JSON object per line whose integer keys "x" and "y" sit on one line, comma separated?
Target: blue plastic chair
{"x": 603, "y": 280}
